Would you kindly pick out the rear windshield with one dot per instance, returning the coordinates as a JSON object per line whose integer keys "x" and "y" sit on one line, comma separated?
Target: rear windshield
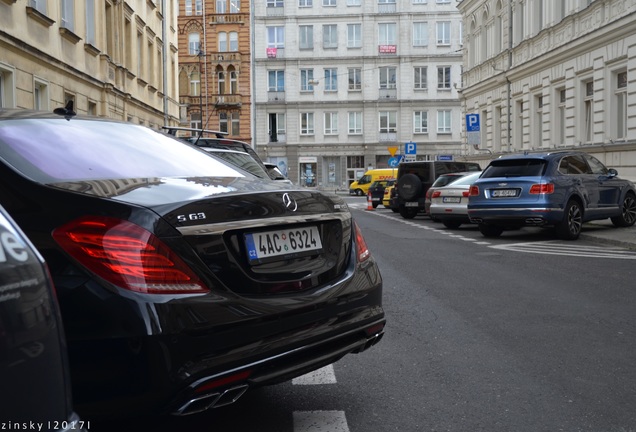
{"x": 446, "y": 179}
{"x": 515, "y": 168}
{"x": 55, "y": 150}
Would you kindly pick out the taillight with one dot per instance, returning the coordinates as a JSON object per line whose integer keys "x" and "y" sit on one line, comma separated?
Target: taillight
{"x": 127, "y": 255}
{"x": 542, "y": 188}
{"x": 361, "y": 245}
{"x": 436, "y": 194}
{"x": 473, "y": 191}
{"x": 464, "y": 193}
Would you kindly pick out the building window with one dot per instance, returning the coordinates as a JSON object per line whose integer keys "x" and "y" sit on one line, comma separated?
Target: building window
{"x": 233, "y": 82}
{"x": 420, "y": 122}
{"x": 307, "y": 123}
{"x": 419, "y": 1}
{"x": 420, "y": 34}
{"x": 538, "y": 15}
{"x": 560, "y": 116}
{"x": 388, "y": 78}
{"x": 221, "y": 6}
{"x": 38, "y": 5}
{"x": 90, "y": 22}
{"x": 194, "y": 44}
{"x": 330, "y": 36}
{"x": 620, "y": 95}
{"x": 354, "y": 35}
{"x": 331, "y": 79}
{"x": 276, "y": 127}
{"x": 588, "y": 101}
{"x": 198, "y": 7}
{"x": 306, "y": 37}
{"x": 234, "y": 41}
{"x": 388, "y": 121}
{"x": 40, "y": 95}
{"x": 235, "y": 6}
{"x": 276, "y": 80}
{"x": 68, "y": 14}
{"x": 420, "y": 78}
{"x": 537, "y": 139}
{"x": 222, "y": 37}
{"x": 331, "y": 123}
{"x": 444, "y": 77}
{"x": 195, "y": 83}
{"x": 305, "y": 3}
{"x": 276, "y": 37}
{"x": 355, "y": 78}
{"x": 235, "y": 118}
{"x": 355, "y": 123}
{"x": 443, "y": 32}
{"x": 220, "y": 77}
{"x": 387, "y": 34}
{"x": 444, "y": 122}
{"x": 329, "y": 2}
{"x": 307, "y": 80}
{"x": 275, "y": 3}
{"x": 223, "y": 122}
{"x": 354, "y": 2}
{"x": 188, "y": 7}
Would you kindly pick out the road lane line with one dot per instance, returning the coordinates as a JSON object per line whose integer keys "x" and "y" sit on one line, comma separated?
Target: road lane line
{"x": 320, "y": 421}
{"x": 325, "y": 375}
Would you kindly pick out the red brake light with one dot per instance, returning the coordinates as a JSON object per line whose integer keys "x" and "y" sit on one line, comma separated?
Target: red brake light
{"x": 127, "y": 255}
{"x": 465, "y": 193}
{"x": 361, "y": 245}
{"x": 473, "y": 191}
{"x": 436, "y": 194}
{"x": 542, "y": 188}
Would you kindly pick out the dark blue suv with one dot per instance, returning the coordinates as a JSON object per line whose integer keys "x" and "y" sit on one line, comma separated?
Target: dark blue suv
{"x": 560, "y": 189}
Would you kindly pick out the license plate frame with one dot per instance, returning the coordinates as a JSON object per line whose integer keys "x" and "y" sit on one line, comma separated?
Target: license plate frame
{"x": 504, "y": 193}
{"x": 280, "y": 244}
{"x": 411, "y": 204}
{"x": 451, "y": 200}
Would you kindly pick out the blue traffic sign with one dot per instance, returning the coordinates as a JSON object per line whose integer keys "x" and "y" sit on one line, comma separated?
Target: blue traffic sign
{"x": 410, "y": 148}
{"x": 445, "y": 157}
{"x": 472, "y": 123}
{"x": 395, "y": 161}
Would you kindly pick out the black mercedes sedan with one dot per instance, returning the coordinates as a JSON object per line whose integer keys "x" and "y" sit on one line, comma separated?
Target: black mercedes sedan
{"x": 182, "y": 280}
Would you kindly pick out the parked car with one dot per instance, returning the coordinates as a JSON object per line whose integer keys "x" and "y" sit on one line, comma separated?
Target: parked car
{"x": 449, "y": 203}
{"x": 415, "y": 178}
{"x": 388, "y": 199}
{"x": 182, "y": 280}
{"x": 376, "y": 190}
{"x": 241, "y": 160}
{"x": 558, "y": 189}
{"x": 33, "y": 360}
{"x": 441, "y": 181}
{"x": 276, "y": 174}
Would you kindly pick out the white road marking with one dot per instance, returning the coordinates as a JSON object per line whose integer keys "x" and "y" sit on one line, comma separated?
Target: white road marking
{"x": 325, "y": 375}
{"x": 320, "y": 421}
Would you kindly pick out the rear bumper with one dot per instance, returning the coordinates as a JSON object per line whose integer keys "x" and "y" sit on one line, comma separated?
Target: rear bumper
{"x": 531, "y": 216}
{"x": 192, "y": 354}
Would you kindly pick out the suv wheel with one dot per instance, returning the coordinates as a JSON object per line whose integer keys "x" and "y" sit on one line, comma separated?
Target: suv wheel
{"x": 570, "y": 227}
{"x": 628, "y": 212}
{"x": 408, "y": 213}
{"x": 409, "y": 186}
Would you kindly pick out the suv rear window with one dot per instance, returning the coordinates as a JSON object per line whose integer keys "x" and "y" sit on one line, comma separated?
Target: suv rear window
{"x": 515, "y": 168}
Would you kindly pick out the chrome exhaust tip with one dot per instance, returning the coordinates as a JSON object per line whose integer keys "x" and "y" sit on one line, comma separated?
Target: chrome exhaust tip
{"x": 211, "y": 400}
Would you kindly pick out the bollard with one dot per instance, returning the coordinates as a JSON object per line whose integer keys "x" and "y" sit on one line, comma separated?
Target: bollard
{"x": 369, "y": 202}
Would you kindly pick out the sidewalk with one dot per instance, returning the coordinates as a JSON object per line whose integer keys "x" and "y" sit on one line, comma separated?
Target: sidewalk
{"x": 604, "y": 231}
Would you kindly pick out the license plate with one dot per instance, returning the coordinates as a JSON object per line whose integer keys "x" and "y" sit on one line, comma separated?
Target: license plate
{"x": 375, "y": 199}
{"x": 293, "y": 241}
{"x": 451, "y": 199}
{"x": 411, "y": 204}
{"x": 504, "y": 193}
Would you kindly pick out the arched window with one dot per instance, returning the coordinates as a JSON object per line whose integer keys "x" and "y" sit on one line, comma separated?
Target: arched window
{"x": 222, "y": 41}
{"x": 234, "y": 41}
{"x": 233, "y": 80}
{"x": 220, "y": 75}
{"x": 484, "y": 36}
{"x": 194, "y": 44}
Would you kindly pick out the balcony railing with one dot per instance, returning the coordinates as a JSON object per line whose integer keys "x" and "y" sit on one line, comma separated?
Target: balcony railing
{"x": 227, "y": 18}
{"x": 275, "y": 11}
{"x": 227, "y": 100}
{"x": 390, "y": 94}
{"x": 276, "y": 96}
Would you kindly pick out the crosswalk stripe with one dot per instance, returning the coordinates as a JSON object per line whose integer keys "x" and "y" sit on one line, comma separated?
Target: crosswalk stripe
{"x": 320, "y": 421}
{"x": 325, "y": 375}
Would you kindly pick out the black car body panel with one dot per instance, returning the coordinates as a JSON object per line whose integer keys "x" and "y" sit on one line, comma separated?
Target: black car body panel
{"x": 34, "y": 370}
{"x": 249, "y": 320}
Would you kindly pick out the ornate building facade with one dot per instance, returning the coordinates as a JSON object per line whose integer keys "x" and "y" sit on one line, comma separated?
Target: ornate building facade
{"x": 214, "y": 66}
{"x": 545, "y": 75}
{"x": 112, "y": 58}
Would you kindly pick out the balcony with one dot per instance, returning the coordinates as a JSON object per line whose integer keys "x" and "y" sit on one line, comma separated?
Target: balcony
{"x": 273, "y": 11}
{"x": 384, "y": 8}
{"x": 225, "y": 57}
{"x": 276, "y": 96}
{"x": 387, "y": 137}
{"x": 275, "y": 53}
{"x": 227, "y": 101}
{"x": 229, "y": 18}
{"x": 387, "y": 94}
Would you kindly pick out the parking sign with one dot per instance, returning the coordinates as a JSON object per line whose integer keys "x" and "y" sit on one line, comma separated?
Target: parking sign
{"x": 472, "y": 123}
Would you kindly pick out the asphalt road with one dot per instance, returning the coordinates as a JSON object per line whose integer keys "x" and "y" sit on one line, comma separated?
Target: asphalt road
{"x": 521, "y": 333}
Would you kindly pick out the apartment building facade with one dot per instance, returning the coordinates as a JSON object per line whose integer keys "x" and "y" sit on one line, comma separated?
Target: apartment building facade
{"x": 341, "y": 86}
{"x": 548, "y": 75}
{"x": 215, "y": 66}
{"x": 112, "y": 58}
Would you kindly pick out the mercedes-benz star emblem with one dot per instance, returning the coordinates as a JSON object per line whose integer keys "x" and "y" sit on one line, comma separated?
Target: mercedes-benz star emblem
{"x": 290, "y": 203}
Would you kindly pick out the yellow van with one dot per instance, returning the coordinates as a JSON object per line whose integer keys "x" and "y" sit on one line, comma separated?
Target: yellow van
{"x": 361, "y": 187}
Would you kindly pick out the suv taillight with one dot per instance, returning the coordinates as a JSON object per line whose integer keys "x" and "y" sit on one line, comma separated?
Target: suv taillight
{"x": 542, "y": 188}
{"x": 474, "y": 191}
{"x": 127, "y": 256}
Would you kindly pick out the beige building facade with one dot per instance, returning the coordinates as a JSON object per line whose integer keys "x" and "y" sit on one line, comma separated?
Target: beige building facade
{"x": 112, "y": 58}
{"x": 549, "y": 75}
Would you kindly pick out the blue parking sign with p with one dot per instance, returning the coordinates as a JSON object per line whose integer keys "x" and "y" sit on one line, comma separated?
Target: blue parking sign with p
{"x": 472, "y": 122}
{"x": 410, "y": 148}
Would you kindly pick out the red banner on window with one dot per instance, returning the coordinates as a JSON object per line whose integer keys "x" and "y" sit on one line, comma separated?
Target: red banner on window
{"x": 271, "y": 52}
{"x": 388, "y": 49}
